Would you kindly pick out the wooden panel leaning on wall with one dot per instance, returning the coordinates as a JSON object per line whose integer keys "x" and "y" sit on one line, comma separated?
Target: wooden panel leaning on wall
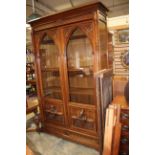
{"x": 112, "y": 130}
{"x": 116, "y": 139}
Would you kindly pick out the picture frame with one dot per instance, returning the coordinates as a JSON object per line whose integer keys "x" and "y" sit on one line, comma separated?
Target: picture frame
{"x": 125, "y": 58}
{"x": 123, "y": 36}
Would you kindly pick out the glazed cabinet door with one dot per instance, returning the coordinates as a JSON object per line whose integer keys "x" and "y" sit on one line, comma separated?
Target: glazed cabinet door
{"x": 80, "y": 69}
{"x": 51, "y": 77}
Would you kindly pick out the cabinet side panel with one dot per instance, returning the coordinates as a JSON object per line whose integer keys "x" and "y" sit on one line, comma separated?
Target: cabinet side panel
{"x": 102, "y": 45}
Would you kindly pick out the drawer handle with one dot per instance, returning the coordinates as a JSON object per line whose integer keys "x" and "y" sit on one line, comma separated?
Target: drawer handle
{"x": 124, "y": 140}
{"x": 125, "y": 128}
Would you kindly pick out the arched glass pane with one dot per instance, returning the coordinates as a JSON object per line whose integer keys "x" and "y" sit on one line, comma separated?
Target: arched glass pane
{"x": 80, "y": 64}
{"x": 49, "y": 59}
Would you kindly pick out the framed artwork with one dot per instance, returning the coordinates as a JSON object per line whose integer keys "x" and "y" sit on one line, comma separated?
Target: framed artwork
{"x": 125, "y": 59}
{"x": 123, "y": 36}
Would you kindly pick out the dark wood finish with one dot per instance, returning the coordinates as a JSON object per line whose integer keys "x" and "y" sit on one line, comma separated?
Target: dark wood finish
{"x": 85, "y": 88}
{"x": 119, "y": 85}
{"x": 124, "y": 141}
{"x": 104, "y": 98}
{"x": 32, "y": 109}
{"x": 112, "y": 130}
{"x": 110, "y": 50}
{"x": 124, "y": 120}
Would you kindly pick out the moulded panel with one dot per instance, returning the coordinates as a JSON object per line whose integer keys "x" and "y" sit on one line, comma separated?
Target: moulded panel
{"x": 54, "y": 113}
{"x": 82, "y": 118}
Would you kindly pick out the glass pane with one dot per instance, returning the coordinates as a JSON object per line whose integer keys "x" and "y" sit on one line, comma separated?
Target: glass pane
{"x": 103, "y": 44}
{"x": 80, "y": 64}
{"x": 49, "y": 56}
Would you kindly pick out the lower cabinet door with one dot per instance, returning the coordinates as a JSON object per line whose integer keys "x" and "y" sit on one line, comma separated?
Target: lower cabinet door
{"x": 54, "y": 113}
{"x": 82, "y": 119}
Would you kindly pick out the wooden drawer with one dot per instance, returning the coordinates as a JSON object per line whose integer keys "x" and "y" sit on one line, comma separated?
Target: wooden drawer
{"x": 82, "y": 118}
{"x": 54, "y": 112}
{"x": 88, "y": 140}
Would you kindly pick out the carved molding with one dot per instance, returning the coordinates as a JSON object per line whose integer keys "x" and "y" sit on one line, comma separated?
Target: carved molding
{"x": 86, "y": 28}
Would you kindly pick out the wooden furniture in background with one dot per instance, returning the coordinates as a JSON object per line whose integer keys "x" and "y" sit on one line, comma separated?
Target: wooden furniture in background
{"x": 112, "y": 130}
{"x": 29, "y": 151}
{"x": 124, "y": 120}
{"x": 31, "y": 91}
{"x": 124, "y": 140}
{"x": 33, "y": 108}
{"x": 116, "y": 139}
{"x": 30, "y": 74}
{"x": 119, "y": 85}
{"x": 70, "y": 48}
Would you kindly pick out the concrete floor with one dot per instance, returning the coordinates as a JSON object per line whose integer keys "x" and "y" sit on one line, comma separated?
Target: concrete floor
{"x": 45, "y": 144}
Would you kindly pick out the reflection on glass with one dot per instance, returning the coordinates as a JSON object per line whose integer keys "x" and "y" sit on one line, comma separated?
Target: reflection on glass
{"x": 80, "y": 64}
{"x": 49, "y": 56}
{"x": 103, "y": 44}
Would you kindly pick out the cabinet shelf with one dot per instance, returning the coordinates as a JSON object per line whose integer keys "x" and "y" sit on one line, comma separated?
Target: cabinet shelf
{"x": 30, "y": 72}
{"x": 54, "y": 112}
{"x": 84, "y": 71}
{"x": 29, "y": 62}
{"x": 30, "y": 75}
{"x": 71, "y": 71}
{"x": 31, "y": 81}
{"x": 81, "y": 92}
{"x": 73, "y": 90}
{"x": 50, "y": 69}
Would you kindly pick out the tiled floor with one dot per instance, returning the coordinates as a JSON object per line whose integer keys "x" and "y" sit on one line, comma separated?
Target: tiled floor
{"x": 45, "y": 144}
